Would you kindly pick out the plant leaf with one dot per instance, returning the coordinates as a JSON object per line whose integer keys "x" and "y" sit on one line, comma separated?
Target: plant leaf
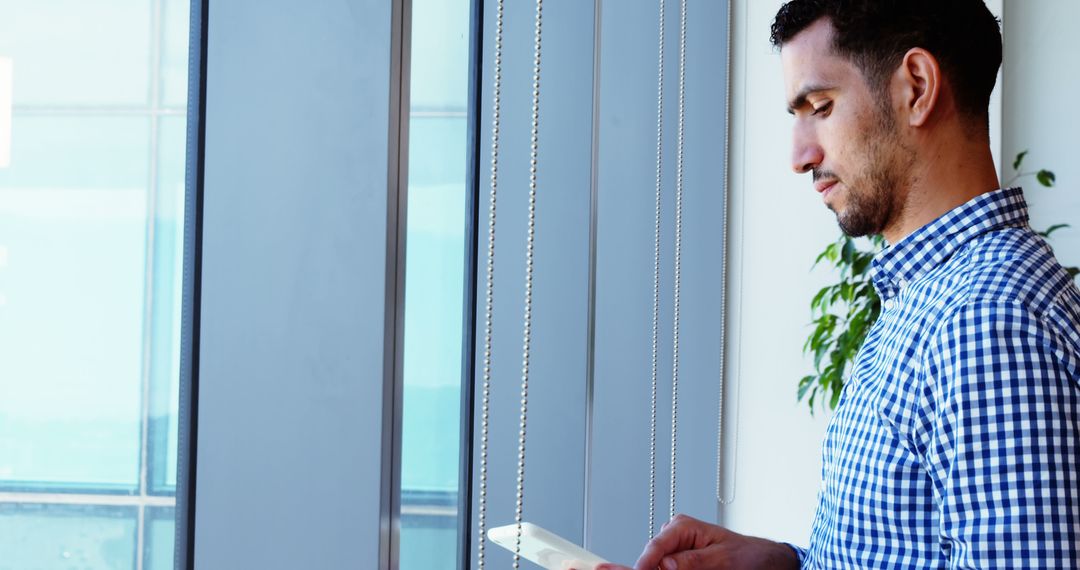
{"x": 867, "y": 293}
{"x": 832, "y": 252}
{"x": 858, "y": 326}
{"x": 849, "y": 251}
{"x": 1019, "y": 160}
{"x": 1046, "y": 178}
{"x": 829, "y": 371}
{"x": 862, "y": 261}
{"x": 841, "y": 346}
{"x": 818, "y": 354}
{"x": 805, "y": 385}
{"x": 1046, "y": 233}
{"x": 847, "y": 291}
{"x": 824, "y": 329}
{"x": 828, "y": 253}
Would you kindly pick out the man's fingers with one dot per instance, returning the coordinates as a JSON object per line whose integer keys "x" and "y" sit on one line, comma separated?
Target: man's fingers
{"x": 611, "y": 567}
{"x": 679, "y": 534}
{"x": 711, "y": 558}
{"x": 661, "y": 545}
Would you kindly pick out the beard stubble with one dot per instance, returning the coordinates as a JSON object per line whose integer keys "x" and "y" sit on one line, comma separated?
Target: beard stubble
{"x": 873, "y": 198}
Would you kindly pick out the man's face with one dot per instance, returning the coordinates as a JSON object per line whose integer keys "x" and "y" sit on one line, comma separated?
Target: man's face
{"x": 845, "y": 134}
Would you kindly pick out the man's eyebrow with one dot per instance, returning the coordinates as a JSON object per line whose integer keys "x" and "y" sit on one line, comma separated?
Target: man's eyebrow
{"x": 799, "y": 100}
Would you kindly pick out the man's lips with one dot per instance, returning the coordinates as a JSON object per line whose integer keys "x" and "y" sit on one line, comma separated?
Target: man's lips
{"x": 824, "y": 185}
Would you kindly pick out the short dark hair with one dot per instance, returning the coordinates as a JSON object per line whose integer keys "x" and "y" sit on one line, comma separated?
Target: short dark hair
{"x": 875, "y": 34}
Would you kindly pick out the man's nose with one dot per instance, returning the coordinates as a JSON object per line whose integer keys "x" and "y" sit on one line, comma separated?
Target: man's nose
{"x": 806, "y": 153}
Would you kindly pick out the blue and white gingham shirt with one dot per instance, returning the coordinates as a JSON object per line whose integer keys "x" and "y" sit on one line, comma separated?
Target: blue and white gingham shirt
{"x": 956, "y": 441}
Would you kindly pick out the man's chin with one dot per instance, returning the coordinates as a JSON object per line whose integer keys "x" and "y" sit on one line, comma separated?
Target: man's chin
{"x": 850, "y": 227}
{"x": 854, "y": 228}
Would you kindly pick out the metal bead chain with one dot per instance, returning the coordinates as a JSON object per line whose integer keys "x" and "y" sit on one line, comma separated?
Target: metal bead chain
{"x": 720, "y": 497}
{"x": 656, "y": 274}
{"x": 489, "y": 291}
{"x": 533, "y": 152}
{"x": 678, "y": 245}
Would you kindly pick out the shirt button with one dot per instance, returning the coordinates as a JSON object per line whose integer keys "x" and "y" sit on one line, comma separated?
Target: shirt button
{"x": 889, "y": 304}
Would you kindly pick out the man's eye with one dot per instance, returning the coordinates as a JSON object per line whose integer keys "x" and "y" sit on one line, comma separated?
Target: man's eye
{"x": 822, "y": 109}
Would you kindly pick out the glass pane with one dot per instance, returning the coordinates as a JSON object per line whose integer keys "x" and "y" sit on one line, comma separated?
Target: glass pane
{"x": 440, "y": 56}
{"x": 428, "y": 540}
{"x": 63, "y": 537}
{"x": 91, "y": 273}
{"x": 174, "y": 53}
{"x": 160, "y": 530}
{"x": 73, "y": 224}
{"x": 73, "y": 52}
{"x": 167, "y": 263}
{"x": 434, "y": 285}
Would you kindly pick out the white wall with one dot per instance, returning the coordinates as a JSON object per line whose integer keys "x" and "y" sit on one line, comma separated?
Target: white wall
{"x": 1042, "y": 79}
{"x": 778, "y": 226}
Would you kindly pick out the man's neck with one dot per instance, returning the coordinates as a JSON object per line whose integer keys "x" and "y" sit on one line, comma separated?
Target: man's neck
{"x": 946, "y": 175}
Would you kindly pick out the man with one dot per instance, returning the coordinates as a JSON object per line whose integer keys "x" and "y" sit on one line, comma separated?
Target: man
{"x": 956, "y": 441}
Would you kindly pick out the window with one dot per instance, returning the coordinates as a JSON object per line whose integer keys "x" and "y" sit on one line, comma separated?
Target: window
{"x": 91, "y": 252}
{"x": 305, "y": 307}
{"x": 435, "y": 284}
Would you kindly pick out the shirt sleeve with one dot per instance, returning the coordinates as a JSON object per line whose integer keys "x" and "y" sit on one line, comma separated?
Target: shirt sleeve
{"x": 999, "y": 428}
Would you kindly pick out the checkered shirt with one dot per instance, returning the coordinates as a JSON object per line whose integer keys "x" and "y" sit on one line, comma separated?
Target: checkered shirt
{"x": 956, "y": 440}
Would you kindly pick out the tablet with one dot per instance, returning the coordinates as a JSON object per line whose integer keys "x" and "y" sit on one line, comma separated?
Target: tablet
{"x": 545, "y": 548}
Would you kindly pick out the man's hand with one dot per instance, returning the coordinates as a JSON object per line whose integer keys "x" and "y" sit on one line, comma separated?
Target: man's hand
{"x": 686, "y": 543}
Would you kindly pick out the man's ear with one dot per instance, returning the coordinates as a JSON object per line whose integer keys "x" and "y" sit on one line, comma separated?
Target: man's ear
{"x": 919, "y": 79}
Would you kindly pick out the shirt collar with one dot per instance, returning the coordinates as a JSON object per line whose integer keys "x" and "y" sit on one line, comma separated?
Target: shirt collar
{"x": 929, "y": 246}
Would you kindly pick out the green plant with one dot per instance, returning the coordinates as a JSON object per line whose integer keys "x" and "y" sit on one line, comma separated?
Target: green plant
{"x": 842, "y": 313}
